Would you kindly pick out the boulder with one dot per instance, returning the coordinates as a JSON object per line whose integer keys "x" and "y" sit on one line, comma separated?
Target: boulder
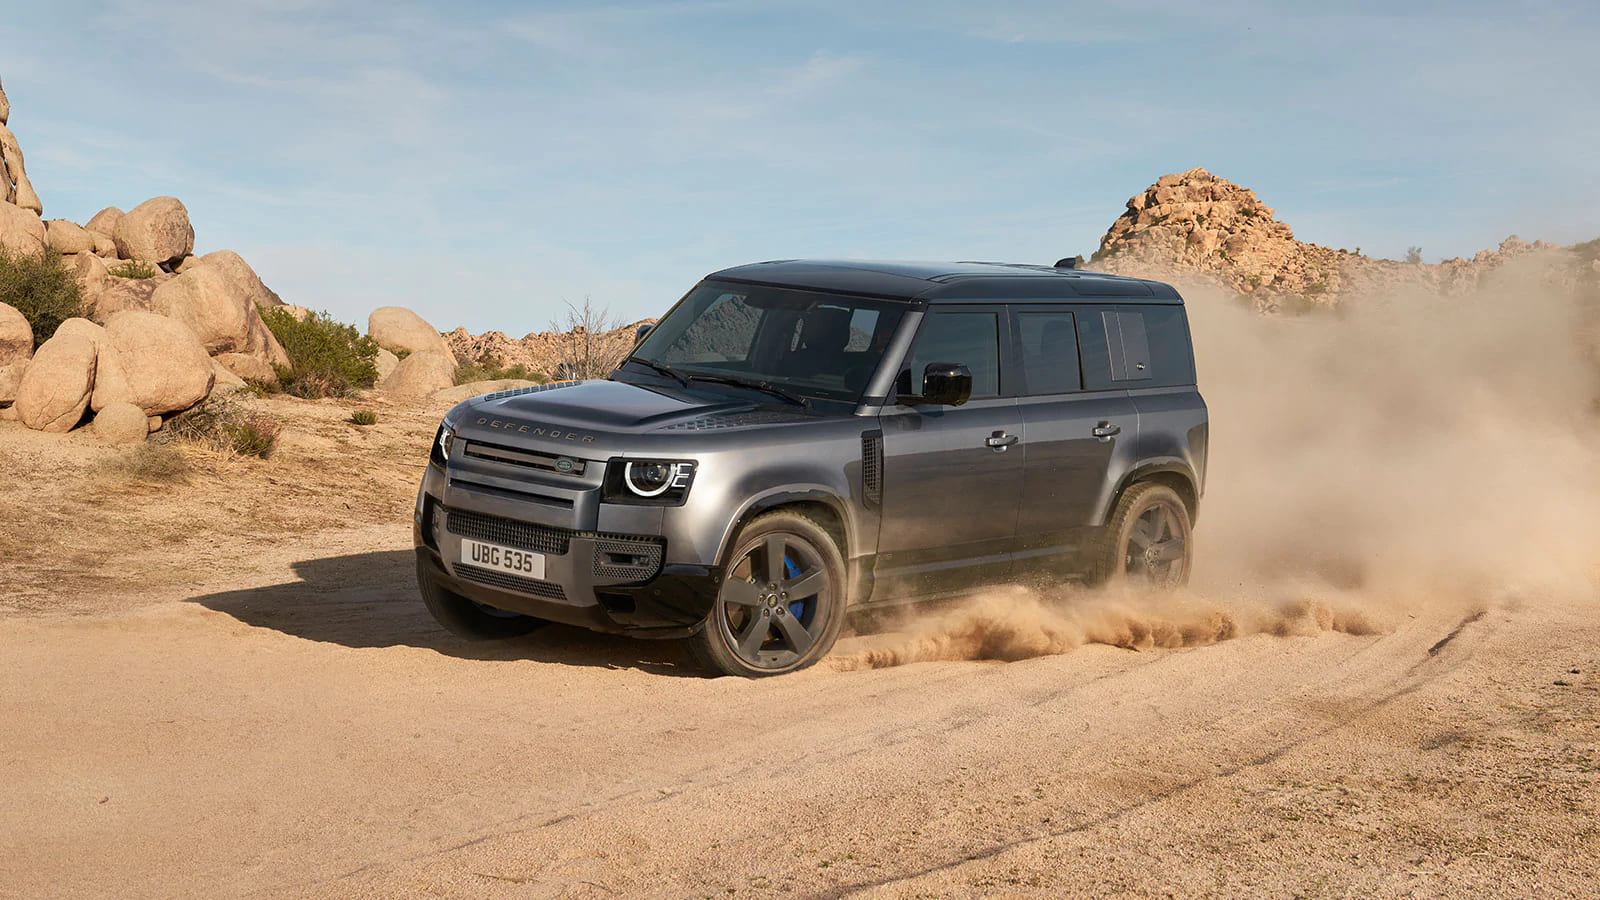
{"x": 246, "y": 277}
{"x": 225, "y": 382}
{"x": 156, "y": 231}
{"x": 153, "y": 424}
{"x": 478, "y": 388}
{"x": 396, "y": 328}
{"x": 121, "y": 423}
{"x": 420, "y": 375}
{"x": 123, "y": 294}
{"x": 16, "y": 336}
{"x": 104, "y": 222}
{"x": 15, "y": 186}
{"x": 187, "y": 263}
{"x": 152, "y": 362}
{"x": 81, "y": 328}
{"x": 21, "y": 230}
{"x": 91, "y": 273}
{"x": 248, "y": 367}
{"x": 65, "y": 237}
{"x": 10, "y": 380}
{"x": 5, "y": 107}
{"x": 55, "y": 389}
{"x": 385, "y": 363}
{"x": 104, "y": 246}
{"x": 219, "y": 311}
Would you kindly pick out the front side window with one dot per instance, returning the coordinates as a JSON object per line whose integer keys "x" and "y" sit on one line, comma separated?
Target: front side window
{"x": 811, "y": 344}
{"x": 971, "y": 339}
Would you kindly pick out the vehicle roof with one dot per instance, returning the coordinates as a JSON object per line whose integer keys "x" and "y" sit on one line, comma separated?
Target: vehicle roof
{"x": 977, "y": 281}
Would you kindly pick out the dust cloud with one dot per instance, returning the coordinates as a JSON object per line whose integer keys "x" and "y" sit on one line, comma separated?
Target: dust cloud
{"x": 1405, "y": 454}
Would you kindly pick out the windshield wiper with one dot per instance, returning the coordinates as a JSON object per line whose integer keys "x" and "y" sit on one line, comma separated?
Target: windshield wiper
{"x": 764, "y": 386}
{"x": 666, "y": 370}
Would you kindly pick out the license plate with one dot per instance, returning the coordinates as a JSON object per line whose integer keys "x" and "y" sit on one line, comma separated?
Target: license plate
{"x": 502, "y": 559}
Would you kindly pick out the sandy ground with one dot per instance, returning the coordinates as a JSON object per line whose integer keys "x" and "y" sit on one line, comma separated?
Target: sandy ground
{"x": 223, "y": 685}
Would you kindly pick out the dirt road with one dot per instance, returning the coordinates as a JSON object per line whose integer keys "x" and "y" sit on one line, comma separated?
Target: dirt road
{"x": 317, "y": 735}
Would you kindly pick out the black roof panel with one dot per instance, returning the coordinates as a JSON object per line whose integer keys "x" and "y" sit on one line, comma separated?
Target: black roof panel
{"x": 948, "y": 280}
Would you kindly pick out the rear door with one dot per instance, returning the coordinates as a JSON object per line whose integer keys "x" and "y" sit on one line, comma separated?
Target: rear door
{"x": 1073, "y": 367}
{"x": 952, "y": 474}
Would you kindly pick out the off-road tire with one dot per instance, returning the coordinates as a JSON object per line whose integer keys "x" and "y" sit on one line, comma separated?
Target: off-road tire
{"x": 1108, "y": 560}
{"x": 710, "y": 646}
{"x": 462, "y": 617}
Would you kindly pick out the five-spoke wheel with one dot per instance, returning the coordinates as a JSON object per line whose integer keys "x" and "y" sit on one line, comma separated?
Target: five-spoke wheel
{"x": 1148, "y": 538}
{"x": 781, "y": 602}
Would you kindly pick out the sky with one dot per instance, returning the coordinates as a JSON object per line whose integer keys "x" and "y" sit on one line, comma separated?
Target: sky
{"x": 486, "y": 163}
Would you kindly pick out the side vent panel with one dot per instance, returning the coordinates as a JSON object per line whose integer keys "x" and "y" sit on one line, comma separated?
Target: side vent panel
{"x": 872, "y": 467}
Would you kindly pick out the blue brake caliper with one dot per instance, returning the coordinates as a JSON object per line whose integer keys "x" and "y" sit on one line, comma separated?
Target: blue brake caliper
{"x": 791, "y": 569}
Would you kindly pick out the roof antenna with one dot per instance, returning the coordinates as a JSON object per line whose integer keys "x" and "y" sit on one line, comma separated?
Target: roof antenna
{"x": 1070, "y": 262}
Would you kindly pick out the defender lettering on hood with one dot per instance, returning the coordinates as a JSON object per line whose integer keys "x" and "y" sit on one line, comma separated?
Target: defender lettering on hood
{"x": 554, "y": 434}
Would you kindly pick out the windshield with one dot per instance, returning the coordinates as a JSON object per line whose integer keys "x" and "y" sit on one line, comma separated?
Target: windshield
{"x": 816, "y": 345}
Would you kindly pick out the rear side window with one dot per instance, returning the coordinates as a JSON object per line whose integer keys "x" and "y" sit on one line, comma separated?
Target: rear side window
{"x": 1146, "y": 346}
{"x": 1048, "y": 351}
{"x": 969, "y": 338}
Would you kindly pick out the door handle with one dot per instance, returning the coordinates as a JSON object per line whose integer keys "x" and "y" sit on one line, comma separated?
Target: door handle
{"x": 1105, "y": 430}
{"x": 999, "y": 440}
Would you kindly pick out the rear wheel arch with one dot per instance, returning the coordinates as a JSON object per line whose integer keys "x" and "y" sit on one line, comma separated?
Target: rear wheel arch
{"x": 1173, "y": 475}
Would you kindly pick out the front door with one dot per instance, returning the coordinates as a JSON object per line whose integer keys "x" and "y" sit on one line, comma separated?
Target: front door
{"x": 952, "y": 474}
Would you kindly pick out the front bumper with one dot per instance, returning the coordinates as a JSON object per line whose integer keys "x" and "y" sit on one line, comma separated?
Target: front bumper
{"x": 604, "y": 582}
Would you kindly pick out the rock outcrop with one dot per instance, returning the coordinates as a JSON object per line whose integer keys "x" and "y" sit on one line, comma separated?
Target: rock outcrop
{"x": 400, "y": 331}
{"x": 152, "y": 362}
{"x": 156, "y": 231}
{"x": 1194, "y": 224}
{"x": 55, "y": 388}
{"x": 14, "y": 186}
{"x": 236, "y": 268}
{"x": 540, "y": 351}
{"x": 66, "y": 237}
{"x": 218, "y": 309}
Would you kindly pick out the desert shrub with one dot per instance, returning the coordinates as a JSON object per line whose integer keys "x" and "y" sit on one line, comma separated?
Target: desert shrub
{"x": 135, "y": 269}
{"x": 224, "y": 426}
{"x": 1414, "y": 255}
{"x": 152, "y": 463}
{"x": 364, "y": 417}
{"x": 328, "y": 358}
{"x": 490, "y": 369}
{"x": 41, "y": 289}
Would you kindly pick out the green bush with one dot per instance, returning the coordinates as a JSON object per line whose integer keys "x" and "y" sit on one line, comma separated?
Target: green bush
{"x": 40, "y": 288}
{"x": 364, "y": 417}
{"x": 135, "y": 269}
{"x": 488, "y": 369}
{"x": 328, "y": 358}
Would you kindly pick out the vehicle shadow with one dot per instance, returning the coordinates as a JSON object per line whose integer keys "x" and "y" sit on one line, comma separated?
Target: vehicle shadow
{"x": 370, "y": 600}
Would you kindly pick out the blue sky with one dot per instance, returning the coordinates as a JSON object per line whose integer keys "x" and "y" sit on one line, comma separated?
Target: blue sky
{"x": 481, "y": 163}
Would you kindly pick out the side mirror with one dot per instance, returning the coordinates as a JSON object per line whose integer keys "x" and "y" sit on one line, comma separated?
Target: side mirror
{"x": 948, "y": 384}
{"x": 639, "y": 333}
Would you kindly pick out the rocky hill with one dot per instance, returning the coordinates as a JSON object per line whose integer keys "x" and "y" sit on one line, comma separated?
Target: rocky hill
{"x": 555, "y": 354}
{"x": 1196, "y": 225}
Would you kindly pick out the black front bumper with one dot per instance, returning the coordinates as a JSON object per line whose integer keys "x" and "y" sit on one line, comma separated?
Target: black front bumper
{"x": 673, "y": 603}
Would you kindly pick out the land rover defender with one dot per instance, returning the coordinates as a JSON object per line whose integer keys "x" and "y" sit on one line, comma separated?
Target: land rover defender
{"x": 796, "y": 440}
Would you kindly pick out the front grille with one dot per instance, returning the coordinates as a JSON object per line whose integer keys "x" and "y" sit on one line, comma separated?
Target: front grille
{"x": 872, "y": 467}
{"x": 645, "y": 559}
{"x": 510, "y": 582}
{"x": 544, "y": 462}
{"x": 511, "y": 533}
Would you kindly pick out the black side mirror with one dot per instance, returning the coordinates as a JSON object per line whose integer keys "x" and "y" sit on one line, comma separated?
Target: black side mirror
{"x": 640, "y": 332}
{"x": 949, "y": 384}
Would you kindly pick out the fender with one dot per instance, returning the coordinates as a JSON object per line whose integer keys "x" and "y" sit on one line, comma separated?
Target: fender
{"x": 1169, "y": 465}
{"x": 792, "y": 494}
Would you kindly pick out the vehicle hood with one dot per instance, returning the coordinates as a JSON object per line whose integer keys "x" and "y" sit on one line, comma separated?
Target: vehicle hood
{"x": 584, "y": 412}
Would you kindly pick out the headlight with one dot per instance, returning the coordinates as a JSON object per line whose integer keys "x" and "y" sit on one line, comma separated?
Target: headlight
{"x": 442, "y": 442}
{"x": 651, "y": 481}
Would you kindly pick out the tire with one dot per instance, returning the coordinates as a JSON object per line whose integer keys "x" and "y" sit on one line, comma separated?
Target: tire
{"x": 762, "y": 625}
{"x": 1149, "y": 539}
{"x": 470, "y": 620}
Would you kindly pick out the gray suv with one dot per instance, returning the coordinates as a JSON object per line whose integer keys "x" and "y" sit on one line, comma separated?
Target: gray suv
{"x": 797, "y": 440}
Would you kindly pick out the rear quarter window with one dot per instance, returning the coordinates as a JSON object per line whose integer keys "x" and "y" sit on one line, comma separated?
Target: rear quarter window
{"x": 1135, "y": 347}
